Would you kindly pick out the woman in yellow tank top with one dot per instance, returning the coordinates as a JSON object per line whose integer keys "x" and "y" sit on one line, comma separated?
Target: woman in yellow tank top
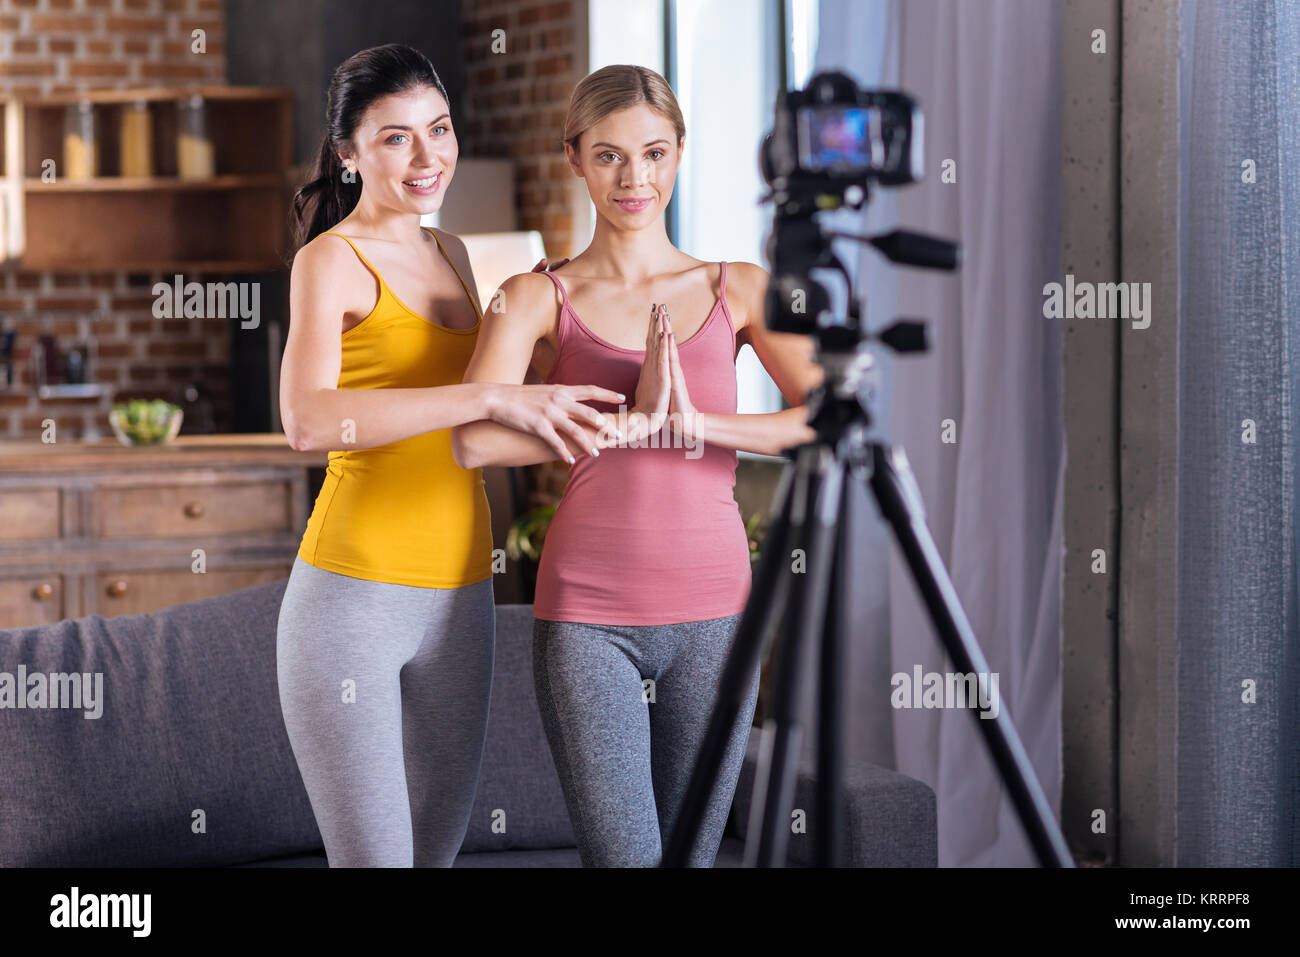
{"x": 385, "y": 639}
{"x": 383, "y": 514}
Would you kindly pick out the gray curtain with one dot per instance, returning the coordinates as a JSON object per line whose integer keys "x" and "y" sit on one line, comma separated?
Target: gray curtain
{"x": 1239, "y": 760}
{"x": 988, "y": 77}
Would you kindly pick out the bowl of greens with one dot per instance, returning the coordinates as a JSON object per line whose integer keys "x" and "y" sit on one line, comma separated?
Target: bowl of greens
{"x": 145, "y": 421}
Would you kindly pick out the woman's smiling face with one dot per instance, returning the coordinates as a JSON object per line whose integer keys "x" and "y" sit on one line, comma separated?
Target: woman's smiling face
{"x": 629, "y": 160}
{"x": 406, "y": 150}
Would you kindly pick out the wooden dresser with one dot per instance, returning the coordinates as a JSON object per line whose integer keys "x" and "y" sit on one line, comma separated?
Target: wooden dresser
{"x": 100, "y": 528}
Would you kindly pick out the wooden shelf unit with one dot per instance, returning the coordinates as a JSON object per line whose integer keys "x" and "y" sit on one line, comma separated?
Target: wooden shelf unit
{"x": 100, "y": 528}
{"x": 233, "y": 222}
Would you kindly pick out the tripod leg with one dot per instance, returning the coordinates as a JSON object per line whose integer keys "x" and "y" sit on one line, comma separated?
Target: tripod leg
{"x": 767, "y": 594}
{"x": 830, "y": 742}
{"x": 900, "y": 503}
{"x": 816, "y": 504}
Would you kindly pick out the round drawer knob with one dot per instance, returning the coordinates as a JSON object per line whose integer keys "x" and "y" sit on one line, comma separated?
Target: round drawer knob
{"x": 117, "y": 589}
{"x": 193, "y": 509}
{"x": 43, "y": 592}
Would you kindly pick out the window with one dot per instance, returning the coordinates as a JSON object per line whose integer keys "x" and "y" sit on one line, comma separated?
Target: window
{"x": 724, "y": 60}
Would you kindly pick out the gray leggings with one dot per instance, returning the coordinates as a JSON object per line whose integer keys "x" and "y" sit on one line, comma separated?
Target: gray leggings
{"x": 385, "y": 691}
{"x": 623, "y": 761}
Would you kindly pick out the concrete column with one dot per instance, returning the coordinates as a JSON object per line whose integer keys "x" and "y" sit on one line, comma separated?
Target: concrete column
{"x": 1091, "y": 120}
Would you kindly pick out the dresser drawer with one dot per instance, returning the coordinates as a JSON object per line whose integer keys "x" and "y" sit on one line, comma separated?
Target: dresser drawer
{"x": 160, "y": 511}
{"x": 29, "y": 513}
{"x": 135, "y": 593}
{"x": 34, "y": 600}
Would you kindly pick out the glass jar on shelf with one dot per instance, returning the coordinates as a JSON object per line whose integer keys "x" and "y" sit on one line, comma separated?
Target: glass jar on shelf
{"x": 194, "y": 156}
{"x": 136, "y": 152}
{"x": 80, "y": 149}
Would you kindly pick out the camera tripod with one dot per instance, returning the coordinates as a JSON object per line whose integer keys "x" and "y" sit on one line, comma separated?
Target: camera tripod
{"x": 811, "y": 512}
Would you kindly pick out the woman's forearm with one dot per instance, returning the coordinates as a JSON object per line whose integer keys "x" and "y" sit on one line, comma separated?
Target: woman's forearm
{"x": 480, "y": 443}
{"x": 343, "y": 419}
{"x": 769, "y": 433}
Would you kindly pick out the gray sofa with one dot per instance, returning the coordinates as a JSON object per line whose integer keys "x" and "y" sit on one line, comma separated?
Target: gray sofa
{"x": 188, "y": 763}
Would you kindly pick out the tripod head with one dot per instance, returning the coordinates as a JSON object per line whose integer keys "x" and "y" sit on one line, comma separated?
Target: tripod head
{"x": 829, "y": 143}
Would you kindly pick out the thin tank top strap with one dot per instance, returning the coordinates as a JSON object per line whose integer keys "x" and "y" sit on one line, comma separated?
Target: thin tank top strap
{"x": 361, "y": 255}
{"x": 562, "y": 324}
{"x": 722, "y": 300}
{"x": 442, "y": 249}
{"x": 564, "y": 293}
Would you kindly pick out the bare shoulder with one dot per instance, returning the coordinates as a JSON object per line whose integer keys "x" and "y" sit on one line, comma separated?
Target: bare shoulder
{"x": 324, "y": 254}
{"x": 746, "y": 287}
{"x": 746, "y": 275}
{"x": 326, "y": 270}
{"x": 531, "y": 300}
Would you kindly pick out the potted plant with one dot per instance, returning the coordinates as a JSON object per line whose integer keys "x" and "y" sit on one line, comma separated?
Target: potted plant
{"x": 524, "y": 543}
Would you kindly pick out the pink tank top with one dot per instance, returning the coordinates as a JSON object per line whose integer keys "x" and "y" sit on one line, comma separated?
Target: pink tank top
{"x": 648, "y": 535}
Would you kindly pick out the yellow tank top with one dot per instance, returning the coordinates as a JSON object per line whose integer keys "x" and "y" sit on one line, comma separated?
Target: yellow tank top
{"x": 405, "y": 512}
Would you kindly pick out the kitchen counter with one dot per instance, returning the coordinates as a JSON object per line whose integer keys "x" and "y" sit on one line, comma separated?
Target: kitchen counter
{"x": 184, "y": 450}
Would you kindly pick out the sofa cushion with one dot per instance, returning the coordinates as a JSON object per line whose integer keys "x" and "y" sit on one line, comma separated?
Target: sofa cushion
{"x": 190, "y": 722}
{"x": 518, "y": 784}
{"x": 889, "y": 819}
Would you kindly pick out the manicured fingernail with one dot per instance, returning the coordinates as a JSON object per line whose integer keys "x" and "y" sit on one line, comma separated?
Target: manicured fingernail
{"x": 595, "y": 451}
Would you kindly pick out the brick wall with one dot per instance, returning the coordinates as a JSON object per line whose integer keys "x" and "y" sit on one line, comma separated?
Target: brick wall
{"x": 516, "y": 100}
{"x": 514, "y": 107}
{"x": 57, "y": 46}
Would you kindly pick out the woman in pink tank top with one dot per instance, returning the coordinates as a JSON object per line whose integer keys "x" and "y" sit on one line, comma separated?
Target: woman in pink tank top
{"x": 645, "y": 569}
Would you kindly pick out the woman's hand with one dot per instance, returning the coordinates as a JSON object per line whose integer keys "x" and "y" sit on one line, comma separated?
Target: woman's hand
{"x": 652, "y": 389}
{"x": 553, "y": 411}
{"x": 681, "y": 410}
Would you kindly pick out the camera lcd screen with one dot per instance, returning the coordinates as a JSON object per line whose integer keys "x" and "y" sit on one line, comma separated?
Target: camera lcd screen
{"x": 836, "y": 137}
